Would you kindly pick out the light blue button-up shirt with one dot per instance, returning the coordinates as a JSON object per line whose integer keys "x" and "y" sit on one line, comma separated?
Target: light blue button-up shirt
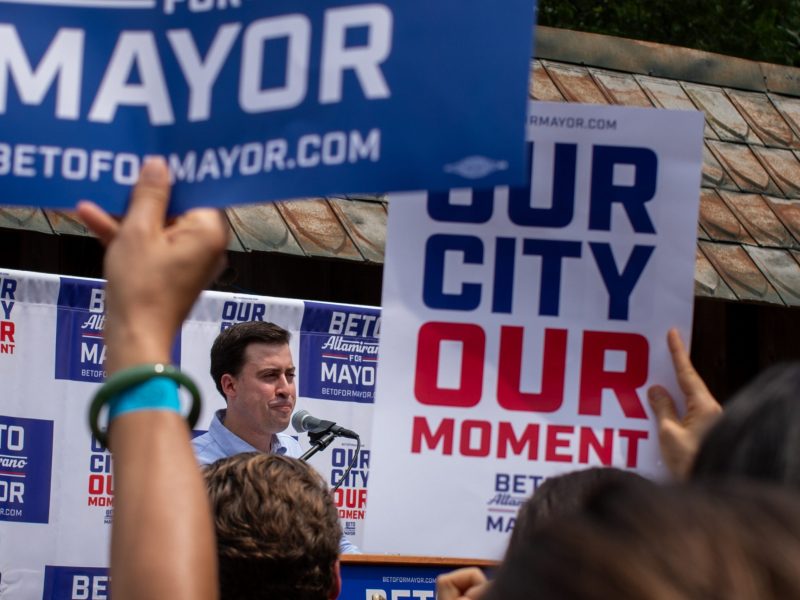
{"x": 220, "y": 442}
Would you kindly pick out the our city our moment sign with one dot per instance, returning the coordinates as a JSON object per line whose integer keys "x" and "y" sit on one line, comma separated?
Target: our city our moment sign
{"x": 522, "y": 326}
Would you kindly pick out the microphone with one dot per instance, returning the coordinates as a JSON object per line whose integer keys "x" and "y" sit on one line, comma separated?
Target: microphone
{"x": 303, "y": 421}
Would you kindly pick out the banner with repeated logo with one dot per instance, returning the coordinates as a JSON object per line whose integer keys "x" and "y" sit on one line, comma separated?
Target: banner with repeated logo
{"x": 339, "y": 354}
{"x": 522, "y": 326}
{"x": 56, "y": 481}
{"x": 252, "y": 101}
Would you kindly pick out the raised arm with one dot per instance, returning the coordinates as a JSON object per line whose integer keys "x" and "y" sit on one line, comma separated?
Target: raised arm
{"x": 162, "y": 541}
{"x": 680, "y": 437}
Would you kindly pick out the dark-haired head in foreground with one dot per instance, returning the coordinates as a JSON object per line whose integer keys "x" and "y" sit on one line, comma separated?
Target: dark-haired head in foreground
{"x": 733, "y": 541}
{"x": 277, "y": 529}
{"x": 758, "y": 435}
{"x": 564, "y": 495}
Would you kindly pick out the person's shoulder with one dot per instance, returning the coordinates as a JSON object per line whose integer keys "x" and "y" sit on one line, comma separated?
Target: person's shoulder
{"x": 206, "y": 449}
{"x": 202, "y": 440}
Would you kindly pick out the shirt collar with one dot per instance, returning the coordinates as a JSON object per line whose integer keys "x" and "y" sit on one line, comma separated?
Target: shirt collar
{"x": 232, "y": 444}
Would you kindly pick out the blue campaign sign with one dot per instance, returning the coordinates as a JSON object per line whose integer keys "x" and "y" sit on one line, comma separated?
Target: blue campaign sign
{"x": 26, "y": 461}
{"x": 339, "y": 352}
{"x": 72, "y": 583}
{"x": 252, "y": 101}
{"x": 80, "y": 347}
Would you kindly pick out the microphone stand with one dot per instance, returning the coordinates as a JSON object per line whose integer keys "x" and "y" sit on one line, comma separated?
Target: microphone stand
{"x": 322, "y": 438}
{"x": 319, "y": 441}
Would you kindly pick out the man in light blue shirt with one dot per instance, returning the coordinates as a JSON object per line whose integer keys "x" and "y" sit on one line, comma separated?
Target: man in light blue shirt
{"x": 220, "y": 442}
{"x": 253, "y": 369}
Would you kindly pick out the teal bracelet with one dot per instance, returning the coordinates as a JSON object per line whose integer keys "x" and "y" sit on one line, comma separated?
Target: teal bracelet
{"x": 158, "y": 393}
{"x": 126, "y": 379}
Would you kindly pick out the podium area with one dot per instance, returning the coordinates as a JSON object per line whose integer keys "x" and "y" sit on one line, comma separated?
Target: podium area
{"x": 388, "y": 577}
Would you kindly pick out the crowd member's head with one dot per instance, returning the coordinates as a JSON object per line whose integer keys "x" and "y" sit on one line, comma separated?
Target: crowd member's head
{"x": 758, "y": 435}
{"x": 277, "y": 529}
{"x": 557, "y": 497}
{"x": 253, "y": 369}
{"x": 564, "y": 495}
{"x": 733, "y": 541}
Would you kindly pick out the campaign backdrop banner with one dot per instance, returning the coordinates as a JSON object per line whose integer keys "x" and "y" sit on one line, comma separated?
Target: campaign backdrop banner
{"x": 57, "y": 481}
{"x": 253, "y": 101}
{"x": 76, "y": 583}
{"x": 342, "y": 348}
{"x": 522, "y": 326}
{"x": 339, "y": 354}
{"x": 25, "y": 468}
{"x": 80, "y": 348}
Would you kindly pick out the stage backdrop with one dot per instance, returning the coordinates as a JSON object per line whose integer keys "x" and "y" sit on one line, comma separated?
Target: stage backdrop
{"x": 56, "y": 484}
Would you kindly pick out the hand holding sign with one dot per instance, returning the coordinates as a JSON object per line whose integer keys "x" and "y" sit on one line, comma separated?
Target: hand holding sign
{"x": 678, "y": 437}
{"x": 155, "y": 272}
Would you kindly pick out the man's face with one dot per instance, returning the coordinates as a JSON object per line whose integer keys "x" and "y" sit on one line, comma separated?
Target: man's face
{"x": 263, "y": 394}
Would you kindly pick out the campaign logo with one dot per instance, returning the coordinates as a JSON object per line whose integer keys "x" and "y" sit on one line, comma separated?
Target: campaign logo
{"x": 339, "y": 352}
{"x": 239, "y": 311}
{"x": 26, "y": 458}
{"x": 80, "y": 349}
{"x": 76, "y": 583}
{"x": 100, "y": 490}
{"x": 8, "y": 290}
{"x": 511, "y": 490}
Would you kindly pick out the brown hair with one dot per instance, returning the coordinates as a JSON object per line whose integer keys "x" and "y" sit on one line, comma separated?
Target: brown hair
{"x": 227, "y": 351}
{"x": 735, "y": 541}
{"x": 277, "y": 528}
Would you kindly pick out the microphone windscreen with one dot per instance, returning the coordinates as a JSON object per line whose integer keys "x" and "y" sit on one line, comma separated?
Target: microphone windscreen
{"x": 297, "y": 420}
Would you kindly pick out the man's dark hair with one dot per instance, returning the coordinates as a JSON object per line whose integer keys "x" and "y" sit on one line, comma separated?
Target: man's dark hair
{"x": 565, "y": 495}
{"x": 277, "y": 528}
{"x": 736, "y": 540}
{"x": 227, "y": 351}
{"x": 758, "y": 434}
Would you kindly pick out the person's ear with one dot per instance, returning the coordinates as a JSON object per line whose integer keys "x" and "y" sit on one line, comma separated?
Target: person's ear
{"x": 228, "y": 383}
{"x": 336, "y": 587}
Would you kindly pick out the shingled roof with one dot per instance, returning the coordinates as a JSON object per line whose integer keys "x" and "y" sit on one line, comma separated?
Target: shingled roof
{"x": 749, "y": 227}
{"x": 749, "y": 224}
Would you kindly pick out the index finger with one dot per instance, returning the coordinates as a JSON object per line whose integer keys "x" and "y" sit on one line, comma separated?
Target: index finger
{"x": 150, "y": 195}
{"x": 689, "y": 380}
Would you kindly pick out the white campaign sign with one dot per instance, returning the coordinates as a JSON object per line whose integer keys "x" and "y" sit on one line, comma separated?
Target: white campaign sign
{"x": 522, "y": 327}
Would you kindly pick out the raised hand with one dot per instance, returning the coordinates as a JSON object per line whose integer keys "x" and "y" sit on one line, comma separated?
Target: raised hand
{"x": 680, "y": 437}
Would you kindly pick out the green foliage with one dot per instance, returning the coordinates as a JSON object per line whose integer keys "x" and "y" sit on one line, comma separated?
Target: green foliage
{"x": 764, "y": 30}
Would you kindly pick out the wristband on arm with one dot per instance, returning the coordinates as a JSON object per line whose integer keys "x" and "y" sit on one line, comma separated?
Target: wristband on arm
{"x": 143, "y": 387}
